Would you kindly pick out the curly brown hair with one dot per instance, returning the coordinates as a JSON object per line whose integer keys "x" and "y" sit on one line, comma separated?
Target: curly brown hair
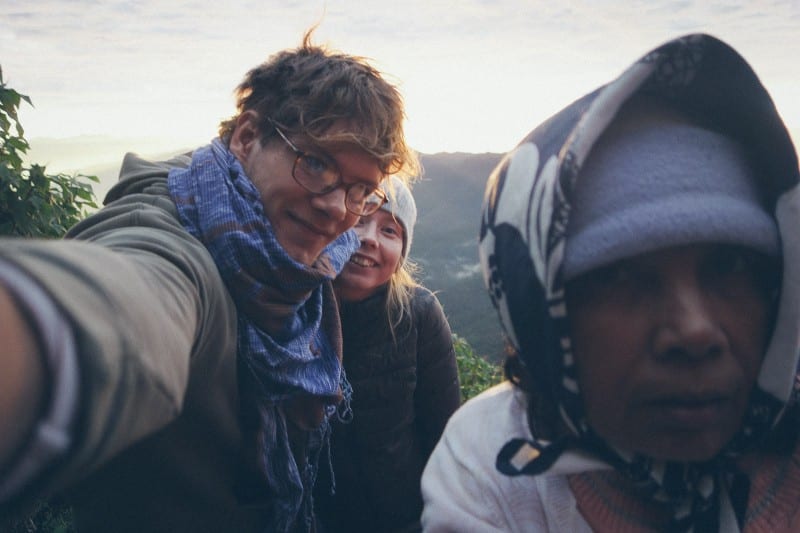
{"x": 307, "y": 89}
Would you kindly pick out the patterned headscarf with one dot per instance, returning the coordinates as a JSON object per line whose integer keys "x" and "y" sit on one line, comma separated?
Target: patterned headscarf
{"x": 522, "y": 238}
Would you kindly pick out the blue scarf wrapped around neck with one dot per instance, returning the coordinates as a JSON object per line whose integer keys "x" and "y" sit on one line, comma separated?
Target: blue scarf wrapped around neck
{"x": 279, "y": 301}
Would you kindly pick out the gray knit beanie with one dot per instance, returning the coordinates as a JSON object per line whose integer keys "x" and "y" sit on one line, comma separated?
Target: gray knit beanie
{"x": 653, "y": 181}
{"x": 401, "y": 205}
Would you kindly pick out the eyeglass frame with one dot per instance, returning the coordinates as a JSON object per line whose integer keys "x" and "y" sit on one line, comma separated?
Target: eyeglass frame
{"x": 339, "y": 182}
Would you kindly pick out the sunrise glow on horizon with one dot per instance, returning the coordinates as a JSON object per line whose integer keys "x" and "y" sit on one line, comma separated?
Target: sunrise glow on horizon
{"x": 476, "y": 76}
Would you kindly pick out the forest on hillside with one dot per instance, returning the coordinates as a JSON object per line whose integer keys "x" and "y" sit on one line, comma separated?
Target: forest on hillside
{"x": 449, "y": 198}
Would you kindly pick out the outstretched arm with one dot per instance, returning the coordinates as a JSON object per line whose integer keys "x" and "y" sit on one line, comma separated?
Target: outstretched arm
{"x": 121, "y": 316}
{"x": 22, "y": 380}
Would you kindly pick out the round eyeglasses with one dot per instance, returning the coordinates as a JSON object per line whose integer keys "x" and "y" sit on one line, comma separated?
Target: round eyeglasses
{"x": 319, "y": 177}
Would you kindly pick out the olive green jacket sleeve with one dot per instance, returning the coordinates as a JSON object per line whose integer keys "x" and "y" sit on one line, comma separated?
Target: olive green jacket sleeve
{"x": 150, "y": 315}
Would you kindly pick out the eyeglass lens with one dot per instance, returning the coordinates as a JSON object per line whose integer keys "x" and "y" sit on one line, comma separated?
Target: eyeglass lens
{"x": 316, "y": 176}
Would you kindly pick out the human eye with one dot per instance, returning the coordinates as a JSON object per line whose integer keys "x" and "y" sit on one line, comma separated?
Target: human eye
{"x": 730, "y": 260}
{"x": 735, "y": 264}
{"x": 612, "y": 275}
{"x": 392, "y": 230}
{"x": 319, "y": 174}
{"x": 623, "y": 282}
{"x": 313, "y": 164}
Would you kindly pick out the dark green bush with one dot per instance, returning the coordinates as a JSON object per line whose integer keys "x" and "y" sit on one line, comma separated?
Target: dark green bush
{"x": 47, "y": 517}
{"x": 475, "y": 372}
{"x": 32, "y": 202}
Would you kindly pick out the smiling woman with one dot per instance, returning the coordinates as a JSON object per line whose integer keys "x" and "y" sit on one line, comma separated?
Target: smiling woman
{"x": 400, "y": 361}
{"x": 372, "y": 266}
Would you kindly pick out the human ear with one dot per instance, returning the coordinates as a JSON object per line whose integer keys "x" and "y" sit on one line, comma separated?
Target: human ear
{"x": 245, "y": 135}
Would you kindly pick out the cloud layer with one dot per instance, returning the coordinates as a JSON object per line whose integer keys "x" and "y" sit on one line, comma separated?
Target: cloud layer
{"x": 476, "y": 74}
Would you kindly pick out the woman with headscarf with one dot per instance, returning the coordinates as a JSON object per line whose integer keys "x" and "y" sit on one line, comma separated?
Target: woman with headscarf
{"x": 641, "y": 249}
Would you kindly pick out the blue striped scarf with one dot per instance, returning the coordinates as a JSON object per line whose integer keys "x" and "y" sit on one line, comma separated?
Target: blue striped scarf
{"x": 282, "y": 350}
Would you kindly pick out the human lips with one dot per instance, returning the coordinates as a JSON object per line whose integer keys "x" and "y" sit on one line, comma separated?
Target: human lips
{"x": 363, "y": 261}
{"x": 689, "y": 412}
{"x": 314, "y": 229}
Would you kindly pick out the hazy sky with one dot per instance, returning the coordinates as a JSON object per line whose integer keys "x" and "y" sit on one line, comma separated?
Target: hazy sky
{"x": 477, "y": 75}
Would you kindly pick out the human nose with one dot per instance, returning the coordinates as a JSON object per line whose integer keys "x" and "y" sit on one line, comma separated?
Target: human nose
{"x": 687, "y": 328}
{"x": 368, "y": 233}
{"x": 332, "y": 203}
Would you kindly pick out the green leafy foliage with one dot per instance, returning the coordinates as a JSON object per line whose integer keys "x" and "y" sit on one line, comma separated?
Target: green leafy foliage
{"x": 475, "y": 372}
{"x": 32, "y": 202}
{"x": 47, "y": 517}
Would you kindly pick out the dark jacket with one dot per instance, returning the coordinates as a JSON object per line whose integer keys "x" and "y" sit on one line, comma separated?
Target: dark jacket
{"x": 403, "y": 395}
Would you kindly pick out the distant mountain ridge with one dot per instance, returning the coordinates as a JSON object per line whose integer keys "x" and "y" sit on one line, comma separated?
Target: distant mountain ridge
{"x": 449, "y": 199}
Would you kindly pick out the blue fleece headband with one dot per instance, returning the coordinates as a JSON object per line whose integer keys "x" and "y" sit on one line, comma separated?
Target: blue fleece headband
{"x": 654, "y": 181}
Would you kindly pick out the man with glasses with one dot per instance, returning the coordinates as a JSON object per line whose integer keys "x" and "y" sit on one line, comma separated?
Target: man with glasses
{"x": 172, "y": 364}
